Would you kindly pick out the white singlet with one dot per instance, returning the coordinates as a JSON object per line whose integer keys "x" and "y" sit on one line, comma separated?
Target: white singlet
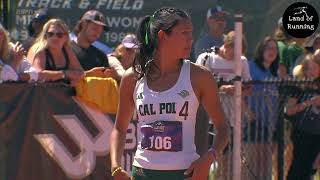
{"x": 166, "y": 124}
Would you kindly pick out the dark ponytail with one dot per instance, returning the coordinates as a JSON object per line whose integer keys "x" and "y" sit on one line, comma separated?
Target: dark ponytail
{"x": 147, "y": 46}
{"x": 164, "y": 19}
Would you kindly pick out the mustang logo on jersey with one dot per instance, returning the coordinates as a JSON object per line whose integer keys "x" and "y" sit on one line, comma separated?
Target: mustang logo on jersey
{"x": 184, "y": 93}
{"x": 140, "y": 96}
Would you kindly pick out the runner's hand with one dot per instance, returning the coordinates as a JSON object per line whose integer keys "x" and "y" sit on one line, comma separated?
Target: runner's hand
{"x": 200, "y": 167}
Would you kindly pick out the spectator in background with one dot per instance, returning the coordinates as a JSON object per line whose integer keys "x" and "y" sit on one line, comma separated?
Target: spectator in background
{"x": 314, "y": 43}
{"x": 303, "y": 111}
{"x": 6, "y": 71}
{"x": 126, "y": 51}
{"x": 262, "y": 105}
{"x": 93, "y": 61}
{"x": 221, "y": 63}
{"x": 35, "y": 26}
{"x": 101, "y": 46}
{"x": 98, "y": 44}
{"x": 282, "y": 38}
{"x": 13, "y": 65}
{"x": 292, "y": 56}
{"x": 317, "y": 55}
{"x": 217, "y": 22}
{"x": 52, "y": 55}
{"x": 266, "y": 60}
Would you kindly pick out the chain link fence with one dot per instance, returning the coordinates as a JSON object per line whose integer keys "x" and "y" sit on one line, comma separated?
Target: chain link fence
{"x": 266, "y": 149}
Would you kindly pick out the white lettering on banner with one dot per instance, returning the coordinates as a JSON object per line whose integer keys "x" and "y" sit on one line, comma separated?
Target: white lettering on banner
{"x": 117, "y": 4}
{"x": 127, "y": 160}
{"x": 84, "y": 4}
{"x": 126, "y": 5}
{"x": 113, "y": 21}
{"x": 131, "y": 138}
{"x": 31, "y": 3}
{"x": 137, "y": 5}
{"x": 66, "y": 4}
{"x": 45, "y": 4}
{"x": 130, "y": 147}
{"x": 113, "y": 37}
{"x": 21, "y": 34}
{"x": 24, "y": 12}
{"x": 120, "y": 4}
{"x": 20, "y": 3}
{"x": 23, "y": 19}
{"x": 83, "y": 164}
{"x": 56, "y": 3}
{"x": 100, "y": 3}
{"x": 126, "y": 22}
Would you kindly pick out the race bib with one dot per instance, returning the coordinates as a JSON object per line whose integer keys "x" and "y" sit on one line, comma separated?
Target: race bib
{"x": 162, "y": 136}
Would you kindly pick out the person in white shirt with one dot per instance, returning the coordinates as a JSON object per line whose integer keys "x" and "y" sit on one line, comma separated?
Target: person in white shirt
{"x": 221, "y": 64}
{"x": 13, "y": 64}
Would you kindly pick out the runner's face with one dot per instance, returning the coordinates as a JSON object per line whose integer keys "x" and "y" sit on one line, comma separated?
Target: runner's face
{"x": 180, "y": 40}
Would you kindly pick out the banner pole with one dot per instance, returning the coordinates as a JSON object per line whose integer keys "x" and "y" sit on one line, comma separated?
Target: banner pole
{"x": 237, "y": 98}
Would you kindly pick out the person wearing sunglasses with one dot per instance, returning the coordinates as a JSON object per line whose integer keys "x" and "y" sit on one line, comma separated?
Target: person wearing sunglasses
{"x": 51, "y": 54}
{"x": 126, "y": 51}
{"x": 94, "y": 61}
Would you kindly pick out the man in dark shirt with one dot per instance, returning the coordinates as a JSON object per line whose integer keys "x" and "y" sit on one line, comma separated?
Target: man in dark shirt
{"x": 93, "y": 60}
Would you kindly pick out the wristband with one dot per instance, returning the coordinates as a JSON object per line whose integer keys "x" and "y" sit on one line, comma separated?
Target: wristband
{"x": 116, "y": 170}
